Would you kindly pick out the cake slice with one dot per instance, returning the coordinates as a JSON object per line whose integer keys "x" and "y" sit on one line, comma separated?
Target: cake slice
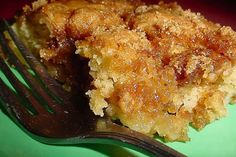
{"x": 156, "y": 68}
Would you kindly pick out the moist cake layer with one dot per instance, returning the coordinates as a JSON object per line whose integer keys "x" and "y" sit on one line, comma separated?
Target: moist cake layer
{"x": 156, "y": 68}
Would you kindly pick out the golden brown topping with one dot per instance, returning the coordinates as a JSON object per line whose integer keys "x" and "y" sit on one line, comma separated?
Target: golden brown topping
{"x": 84, "y": 21}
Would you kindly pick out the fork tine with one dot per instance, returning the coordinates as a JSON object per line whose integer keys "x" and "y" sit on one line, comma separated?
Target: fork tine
{"x": 37, "y": 67}
{"x": 24, "y": 94}
{"x": 39, "y": 92}
{"x": 10, "y": 103}
{"x": 14, "y": 108}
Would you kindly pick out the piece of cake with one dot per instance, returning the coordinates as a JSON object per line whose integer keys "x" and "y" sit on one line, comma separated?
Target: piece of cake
{"x": 156, "y": 68}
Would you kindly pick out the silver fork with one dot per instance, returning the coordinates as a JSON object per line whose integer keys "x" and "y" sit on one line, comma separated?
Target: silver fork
{"x": 51, "y": 115}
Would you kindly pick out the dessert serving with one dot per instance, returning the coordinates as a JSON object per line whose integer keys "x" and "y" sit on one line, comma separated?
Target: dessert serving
{"x": 156, "y": 68}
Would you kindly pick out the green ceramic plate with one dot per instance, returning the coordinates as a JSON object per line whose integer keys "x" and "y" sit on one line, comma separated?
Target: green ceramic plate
{"x": 215, "y": 140}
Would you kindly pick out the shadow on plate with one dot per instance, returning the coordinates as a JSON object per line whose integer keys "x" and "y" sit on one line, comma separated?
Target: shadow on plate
{"x": 109, "y": 150}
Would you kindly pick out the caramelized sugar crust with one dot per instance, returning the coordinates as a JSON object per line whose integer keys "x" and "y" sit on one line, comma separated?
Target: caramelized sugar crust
{"x": 157, "y": 68}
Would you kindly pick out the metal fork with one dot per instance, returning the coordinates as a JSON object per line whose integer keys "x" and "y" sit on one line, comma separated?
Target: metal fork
{"x": 51, "y": 115}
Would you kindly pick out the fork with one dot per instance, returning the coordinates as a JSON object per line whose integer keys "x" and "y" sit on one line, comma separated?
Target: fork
{"x": 49, "y": 114}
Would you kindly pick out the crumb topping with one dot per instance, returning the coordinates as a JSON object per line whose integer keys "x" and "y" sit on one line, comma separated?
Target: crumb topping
{"x": 157, "y": 68}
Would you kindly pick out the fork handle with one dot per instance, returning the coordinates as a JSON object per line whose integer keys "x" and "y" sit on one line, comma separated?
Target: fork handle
{"x": 136, "y": 142}
{"x": 112, "y": 133}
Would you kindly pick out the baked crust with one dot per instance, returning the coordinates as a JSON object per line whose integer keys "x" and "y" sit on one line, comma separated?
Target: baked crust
{"x": 156, "y": 68}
